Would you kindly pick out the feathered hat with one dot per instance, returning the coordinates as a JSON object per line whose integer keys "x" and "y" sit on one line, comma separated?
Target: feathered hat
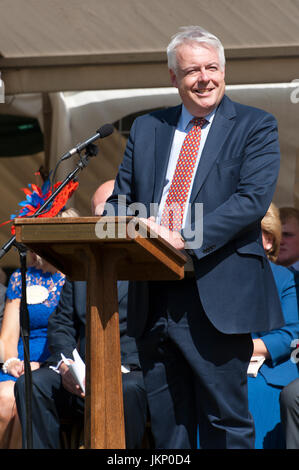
{"x": 36, "y": 196}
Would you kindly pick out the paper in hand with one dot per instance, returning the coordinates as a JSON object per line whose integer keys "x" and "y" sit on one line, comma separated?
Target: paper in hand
{"x": 77, "y": 368}
{"x": 255, "y": 363}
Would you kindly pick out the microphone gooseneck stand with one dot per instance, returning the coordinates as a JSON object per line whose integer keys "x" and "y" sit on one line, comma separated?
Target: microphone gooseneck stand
{"x": 24, "y": 332}
{"x": 91, "y": 150}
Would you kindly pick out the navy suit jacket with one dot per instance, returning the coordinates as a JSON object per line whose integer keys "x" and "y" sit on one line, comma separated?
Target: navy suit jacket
{"x": 66, "y": 326}
{"x": 235, "y": 182}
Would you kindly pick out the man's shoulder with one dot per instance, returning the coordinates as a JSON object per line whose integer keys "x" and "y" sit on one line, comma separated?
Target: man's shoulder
{"x": 73, "y": 288}
{"x": 242, "y": 109}
{"x": 283, "y": 275}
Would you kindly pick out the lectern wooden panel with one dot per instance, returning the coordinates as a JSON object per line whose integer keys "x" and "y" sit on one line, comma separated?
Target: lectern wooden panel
{"x": 102, "y": 251}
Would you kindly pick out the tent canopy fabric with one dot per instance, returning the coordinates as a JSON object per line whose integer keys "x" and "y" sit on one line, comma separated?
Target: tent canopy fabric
{"x": 49, "y": 45}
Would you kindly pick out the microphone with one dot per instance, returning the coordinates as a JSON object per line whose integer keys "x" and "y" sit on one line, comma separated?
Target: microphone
{"x": 102, "y": 132}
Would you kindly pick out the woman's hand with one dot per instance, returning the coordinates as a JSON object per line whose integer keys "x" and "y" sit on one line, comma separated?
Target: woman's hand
{"x": 16, "y": 368}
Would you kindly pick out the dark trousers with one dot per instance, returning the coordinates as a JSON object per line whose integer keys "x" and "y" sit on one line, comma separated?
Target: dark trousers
{"x": 195, "y": 376}
{"x": 51, "y": 402}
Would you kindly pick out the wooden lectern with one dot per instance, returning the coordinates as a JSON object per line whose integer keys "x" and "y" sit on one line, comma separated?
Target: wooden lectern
{"x": 102, "y": 251}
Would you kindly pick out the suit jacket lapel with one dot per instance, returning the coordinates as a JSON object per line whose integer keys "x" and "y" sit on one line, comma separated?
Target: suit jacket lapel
{"x": 164, "y": 137}
{"x": 219, "y": 132}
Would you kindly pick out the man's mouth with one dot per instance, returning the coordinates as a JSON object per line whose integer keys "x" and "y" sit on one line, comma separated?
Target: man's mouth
{"x": 204, "y": 91}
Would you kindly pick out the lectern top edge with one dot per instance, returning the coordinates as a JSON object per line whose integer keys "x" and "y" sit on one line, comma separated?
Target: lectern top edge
{"x": 41, "y": 235}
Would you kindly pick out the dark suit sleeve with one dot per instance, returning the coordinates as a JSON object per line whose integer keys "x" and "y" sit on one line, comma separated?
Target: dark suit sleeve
{"x": 124, "y": 184}
{"x": 62, "y": 328}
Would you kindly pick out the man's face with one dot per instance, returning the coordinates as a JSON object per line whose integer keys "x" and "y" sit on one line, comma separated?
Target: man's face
{"x": 199, "y": 78}
{"x": 289, "y": 245}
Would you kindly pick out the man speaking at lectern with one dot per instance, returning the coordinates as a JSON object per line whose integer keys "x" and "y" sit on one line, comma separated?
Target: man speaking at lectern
{"x": 193, "y": 335}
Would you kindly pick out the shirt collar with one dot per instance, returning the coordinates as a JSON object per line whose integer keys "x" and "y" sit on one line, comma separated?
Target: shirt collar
{"x": 186, "y": 117}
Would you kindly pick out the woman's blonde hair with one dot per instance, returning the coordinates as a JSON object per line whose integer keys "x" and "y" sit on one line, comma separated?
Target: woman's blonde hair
{"x": 271, "y": 224}
{"x": 34, "y": 260}
{"x": 71, "y": 212}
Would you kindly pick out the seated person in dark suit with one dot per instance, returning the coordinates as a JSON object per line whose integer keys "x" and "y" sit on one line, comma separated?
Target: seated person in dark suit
{"x": 56, "y": 395}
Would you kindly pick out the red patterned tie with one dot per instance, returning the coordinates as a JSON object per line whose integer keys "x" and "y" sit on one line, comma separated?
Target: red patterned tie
{"x": 173, "y": 212}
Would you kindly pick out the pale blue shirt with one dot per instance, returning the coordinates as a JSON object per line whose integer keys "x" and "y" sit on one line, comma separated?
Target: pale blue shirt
{"x": 181, "y": 131}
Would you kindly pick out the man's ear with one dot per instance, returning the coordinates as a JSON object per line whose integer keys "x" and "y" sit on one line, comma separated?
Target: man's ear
{"x": 267, "y": 240}
{"x": 173, "y": 78}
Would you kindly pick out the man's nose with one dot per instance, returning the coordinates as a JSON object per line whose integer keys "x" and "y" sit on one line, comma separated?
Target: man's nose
{"x": 204, "y": 76}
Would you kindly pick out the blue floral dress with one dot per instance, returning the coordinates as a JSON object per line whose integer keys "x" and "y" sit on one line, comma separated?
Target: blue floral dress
{"x": 43, "y": 292}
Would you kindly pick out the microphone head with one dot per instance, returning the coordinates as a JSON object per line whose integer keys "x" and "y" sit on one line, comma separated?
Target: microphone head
{"x": 105, "y": 130}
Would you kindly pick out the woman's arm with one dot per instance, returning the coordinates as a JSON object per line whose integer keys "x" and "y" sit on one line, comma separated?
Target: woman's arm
{"x": 10, "y": 331}
{"x": 259, "y": 348}
{"x": 9, "y": 337}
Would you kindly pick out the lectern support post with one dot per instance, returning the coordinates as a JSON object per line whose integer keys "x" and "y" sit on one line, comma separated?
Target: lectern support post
{"x": 104, "y": 418}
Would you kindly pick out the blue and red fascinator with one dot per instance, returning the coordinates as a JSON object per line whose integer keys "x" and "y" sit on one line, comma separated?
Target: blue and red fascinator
{"x": 36, "y": 196}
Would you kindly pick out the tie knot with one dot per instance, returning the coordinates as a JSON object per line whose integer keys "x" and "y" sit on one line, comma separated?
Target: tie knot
{"x": 198, "y": 121}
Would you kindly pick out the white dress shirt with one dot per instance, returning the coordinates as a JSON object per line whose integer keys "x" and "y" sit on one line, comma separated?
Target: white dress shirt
{"x": 181, "y": 131}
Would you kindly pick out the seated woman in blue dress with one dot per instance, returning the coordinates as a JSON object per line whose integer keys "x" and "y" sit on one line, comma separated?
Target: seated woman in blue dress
{"x": 43, "y": 287}
{"x": 275, "y": 347}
